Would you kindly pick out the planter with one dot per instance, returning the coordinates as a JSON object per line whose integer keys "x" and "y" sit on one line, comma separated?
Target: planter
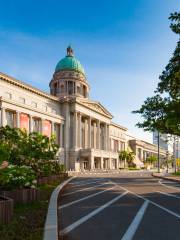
{"x": 6, "y": 209}
{"x": 22, "y": 195}
{"x": 51, "y": 179}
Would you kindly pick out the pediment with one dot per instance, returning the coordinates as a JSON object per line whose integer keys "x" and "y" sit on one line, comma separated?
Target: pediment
{"x": 95, "y": 106}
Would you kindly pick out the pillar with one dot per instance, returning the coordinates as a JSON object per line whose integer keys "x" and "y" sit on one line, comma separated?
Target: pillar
{"x": 3, "y": 115}
{"x": 101, "y": 162}
{"x": 17, "y": 119}
{"x": 30, "y": 123}
{"x": 105, "y": 137}
{"x": 89, "y": 132}
{"x": 110, "y": 163}
{"x": 61, "y": 135}
{"x": 80, "y": 132}
{"x": 86, "y": 132}
{"x": 75, "y": 130}
{"x": 98, "y": 134}
{"x": 94, "y": 129}
{"x": 52, "y": 127}
{"x": 91, "y": 162}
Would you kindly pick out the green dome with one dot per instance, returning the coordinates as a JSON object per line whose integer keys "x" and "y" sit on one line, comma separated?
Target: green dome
{"x": 69, "y": 63}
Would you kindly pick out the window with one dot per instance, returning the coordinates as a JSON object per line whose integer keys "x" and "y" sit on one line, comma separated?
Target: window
{"x": 34, "y": 104}
{"x": 62, "y": 88}
{"x": 8, "y": 95}
{"x": 11, "y": 118}
{"x": 22, "y": 100}
{"x": 70, "y": 87}
{"x": 36, "y": 125}
{"x": 57, "y": 133}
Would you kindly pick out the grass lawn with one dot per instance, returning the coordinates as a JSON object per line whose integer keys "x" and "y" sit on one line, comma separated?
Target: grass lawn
{"x": 176, "y": 174}
{"x": 28, "y": 221}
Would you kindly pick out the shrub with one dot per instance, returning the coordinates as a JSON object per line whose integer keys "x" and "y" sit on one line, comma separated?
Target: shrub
{"x": 18, "y": 177}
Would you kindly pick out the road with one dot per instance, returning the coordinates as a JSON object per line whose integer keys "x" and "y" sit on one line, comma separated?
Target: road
{"x": 120, "y": 206}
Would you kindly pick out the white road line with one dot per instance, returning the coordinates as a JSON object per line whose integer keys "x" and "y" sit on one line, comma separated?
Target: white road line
{"x": 84, "y": 189}
{"x": 82, "y": 184}
{"x": 86, "y": 181}
{"x": 169, "y": 194}
{"x": 168, "y": 186}
{"x": 155, "y": 204}
{"x": 84, "y": 198}
{"x": 90, "y": 215}
{"x": 129, "y": 234}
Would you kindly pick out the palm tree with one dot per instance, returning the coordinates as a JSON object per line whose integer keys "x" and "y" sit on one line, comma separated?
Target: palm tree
{"x": 127, "y": 156}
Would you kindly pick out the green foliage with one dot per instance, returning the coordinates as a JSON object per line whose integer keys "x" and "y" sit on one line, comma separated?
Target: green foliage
{"x": 17, "y": 177}
{"x": 162, "y": 111}
{"x": 34, "y": 149}
{"x": 127, "y": 156}
{"x": 151, "y": 159}
{"x": 4, "y": 152}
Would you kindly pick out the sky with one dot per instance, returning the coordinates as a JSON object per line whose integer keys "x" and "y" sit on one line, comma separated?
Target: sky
{"x": 124, "y": 45}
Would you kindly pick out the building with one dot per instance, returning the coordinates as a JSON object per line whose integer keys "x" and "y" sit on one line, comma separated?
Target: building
{"x": 87, "y": 137}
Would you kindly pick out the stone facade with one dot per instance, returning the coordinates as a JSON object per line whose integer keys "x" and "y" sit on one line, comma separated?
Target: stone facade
{"x": 87, "y": 137}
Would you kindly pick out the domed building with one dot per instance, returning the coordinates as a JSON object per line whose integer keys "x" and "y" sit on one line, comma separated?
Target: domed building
{"x": 85, "y": 133}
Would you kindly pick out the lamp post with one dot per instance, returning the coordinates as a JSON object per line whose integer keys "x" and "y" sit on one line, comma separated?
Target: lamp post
{"x": 158, "y": 152}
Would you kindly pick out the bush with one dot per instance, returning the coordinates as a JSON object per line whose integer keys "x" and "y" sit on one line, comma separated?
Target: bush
{"x": 18, "y": 177}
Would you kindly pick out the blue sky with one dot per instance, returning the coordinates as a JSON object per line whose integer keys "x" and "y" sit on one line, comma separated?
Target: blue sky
{"x": 123, "y": 45}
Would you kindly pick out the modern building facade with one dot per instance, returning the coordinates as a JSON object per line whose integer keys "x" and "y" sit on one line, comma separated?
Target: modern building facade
{"x": 87, "y": 137}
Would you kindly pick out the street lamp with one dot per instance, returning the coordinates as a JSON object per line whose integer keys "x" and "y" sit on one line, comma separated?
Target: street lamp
{"x": 158, "y": 152}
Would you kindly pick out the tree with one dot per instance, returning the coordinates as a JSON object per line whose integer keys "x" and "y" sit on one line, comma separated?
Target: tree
{"x": 151, "y": 159}
{"x": 127, "y": 156}
{"x": 162, "y": 111}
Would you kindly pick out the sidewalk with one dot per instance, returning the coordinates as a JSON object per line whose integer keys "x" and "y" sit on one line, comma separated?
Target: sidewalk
{"x": 167, "y": 176}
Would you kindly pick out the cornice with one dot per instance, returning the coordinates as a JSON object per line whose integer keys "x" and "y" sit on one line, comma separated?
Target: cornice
{"x": 59, "y": 117}
{"x": 26, "y": 86}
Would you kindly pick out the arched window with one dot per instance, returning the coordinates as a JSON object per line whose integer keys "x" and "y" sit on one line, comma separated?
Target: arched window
{"x": 62, "y": 88}
{"x": 55, "y": 88}
{"x": 70, "y": 87}
{"x": 84, "y": 91}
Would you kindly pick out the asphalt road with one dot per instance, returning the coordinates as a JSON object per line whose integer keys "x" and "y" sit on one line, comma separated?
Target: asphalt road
{"x": 123, "y": 206}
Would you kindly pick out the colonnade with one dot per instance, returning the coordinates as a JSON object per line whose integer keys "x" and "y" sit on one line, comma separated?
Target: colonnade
{"x": 89, "y": 132}
{"x": 31, "y": 126}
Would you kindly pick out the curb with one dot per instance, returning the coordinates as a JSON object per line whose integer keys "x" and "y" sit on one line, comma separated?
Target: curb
{"x": 51, "y": 224}
{"x": 166, "y": 178}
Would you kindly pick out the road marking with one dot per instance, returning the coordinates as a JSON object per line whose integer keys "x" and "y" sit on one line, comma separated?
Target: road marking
{"x": 82, "y": 184}
{"x": 169, "y": 194}
{"x": 84, "y": 198}
{"x": 168, "y": 186}
{"x": 90, "y": 215}
{"x": 129, "y": 234}
{"x": 84, "y": 189}
{"x": 155, "y": 204}
{"x": 86, "y": 181}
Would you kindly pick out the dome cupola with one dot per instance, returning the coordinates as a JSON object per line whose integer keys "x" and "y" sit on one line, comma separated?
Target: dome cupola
{"x": 69, "y": 78}
{"x": 69, "y": 62}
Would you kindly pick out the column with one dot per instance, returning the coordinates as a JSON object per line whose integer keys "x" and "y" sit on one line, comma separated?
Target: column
{"x": 91, "y": 162}
{"x": 98, "y": 134}
{"x": 80, "y": 132}
{"x": 108, "y": 147}
{"x": 17, "y": 119}
{"x": 101, "y": 162}
{"x": 52, "y": 127}
{"x": 110, "y": 163}
{"x": 86, "y": 132}
{"x": 75, "y": 130}
{"x": 105, "y": 137}
{"x": 30, "y": 123}
{"x": 42, "y": 125}
{"x": 3, "y": 114}
{"x": 89, "y": 132}
{"x": 94, "y": 129}
{"x": 61, "y": 135}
